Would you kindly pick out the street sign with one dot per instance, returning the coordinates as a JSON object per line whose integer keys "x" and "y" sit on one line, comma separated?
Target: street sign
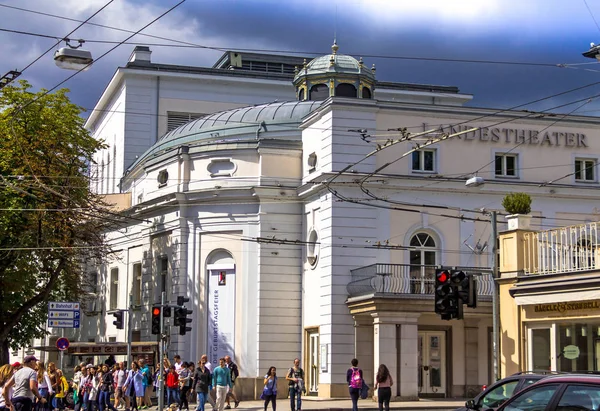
{"x": 54, "y": 305}
{"x": 62, "y": 343}
{"x": 63, "y": 323}
{"x": 63, "y": 314}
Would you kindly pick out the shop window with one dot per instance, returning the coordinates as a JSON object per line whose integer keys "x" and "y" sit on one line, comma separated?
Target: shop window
{"x": 423, "y": 161}
{"x": 574, "y": 352}
{"x": 506, "y": 165}
{"x": 585, "y": 170}
{"x": 422, "y": 263}
{"x": 319, "y": 92}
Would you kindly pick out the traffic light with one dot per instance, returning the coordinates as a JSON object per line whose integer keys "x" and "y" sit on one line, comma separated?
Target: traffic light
{"x": 156, "y": 319}
{"x": 118, "y": 322}
{"x": 446, "y": 297}
{"x": 181, "y": 316}
{"x": 466, "y": 285}
{"x": 167, "y": 311}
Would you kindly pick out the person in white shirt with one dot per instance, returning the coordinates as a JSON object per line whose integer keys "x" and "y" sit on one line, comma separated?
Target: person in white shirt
{"x": 178, "y": 364}
{"x": 25, "y": 387}
{"x": 121, "y": 377}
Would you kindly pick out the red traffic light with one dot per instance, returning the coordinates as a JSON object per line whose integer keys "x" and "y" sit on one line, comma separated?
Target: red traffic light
{"x": 156, "y": 311}
{"x": 443, "y": 276}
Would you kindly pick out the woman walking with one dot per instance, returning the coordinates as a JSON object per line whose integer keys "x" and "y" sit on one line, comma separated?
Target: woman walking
{"x": 354, "y": 377}
{"x": 134, "y": 386}
{"x": 270, "y": 389}
{"x": 91, "y": 387}
{"x": 53, "y": 383}
{"x": 383, "y": 385}
{"x": 106, "y": 387}
{"x": 185, "y": 381}
{"x": 202, "y": 380}
{"x": 6, "y": 371}
{"x": 44, "y": 386}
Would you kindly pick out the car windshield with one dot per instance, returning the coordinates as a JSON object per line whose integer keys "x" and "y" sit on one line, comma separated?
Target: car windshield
{"x": 535, "y": 399}
{"x": 498, "y": 395}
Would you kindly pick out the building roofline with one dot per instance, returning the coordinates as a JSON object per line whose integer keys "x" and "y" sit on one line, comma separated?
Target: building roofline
{"x": 262, "y": 57}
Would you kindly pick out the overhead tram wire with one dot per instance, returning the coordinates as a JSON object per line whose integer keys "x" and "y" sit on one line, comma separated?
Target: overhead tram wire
{"x": 185, "y": 44}
{"x": 61, "y": 39}
{"x": 103, "y": 55}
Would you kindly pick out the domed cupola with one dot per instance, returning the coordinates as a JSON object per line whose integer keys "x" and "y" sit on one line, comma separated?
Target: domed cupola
{"x": 334, "y": 75}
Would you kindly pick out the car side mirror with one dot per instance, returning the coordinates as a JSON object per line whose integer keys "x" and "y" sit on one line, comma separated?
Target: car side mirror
{"x": 470, "y": 404}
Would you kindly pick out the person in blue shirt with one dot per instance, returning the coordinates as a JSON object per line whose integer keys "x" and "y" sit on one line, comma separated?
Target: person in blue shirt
{"x": 146, "y": 382}
{"x": 222, "y": 382}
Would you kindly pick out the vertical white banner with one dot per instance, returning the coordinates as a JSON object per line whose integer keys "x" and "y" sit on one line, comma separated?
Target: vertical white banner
{"x": 221, "y": 312}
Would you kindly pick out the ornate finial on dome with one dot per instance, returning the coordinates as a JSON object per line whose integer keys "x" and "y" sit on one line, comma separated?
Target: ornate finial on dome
{"x": 332, "y": 61}
{"x": 295, "y": 69}
{"x": 304, "y": 65}
{"x": 360, "y": 63}
{"x": 373, "y": 68}
{"x": 334, "y": 47}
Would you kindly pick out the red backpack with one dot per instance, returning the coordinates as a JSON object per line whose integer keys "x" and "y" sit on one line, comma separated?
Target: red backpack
{"x": 356, "y": 379}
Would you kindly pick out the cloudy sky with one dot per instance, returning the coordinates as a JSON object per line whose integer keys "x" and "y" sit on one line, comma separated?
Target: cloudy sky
{"x": 403, "y": 37}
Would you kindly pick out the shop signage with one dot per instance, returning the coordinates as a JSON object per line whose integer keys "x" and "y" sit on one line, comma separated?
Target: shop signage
{"x": 571, "y": 352}
{"x": 563, "y": 307}
{"x": 515, "y": 136}
{"x": 221, "y": 313}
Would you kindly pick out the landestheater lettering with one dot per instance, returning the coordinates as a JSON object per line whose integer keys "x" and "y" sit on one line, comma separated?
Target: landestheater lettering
{"x": 516, "y": 136}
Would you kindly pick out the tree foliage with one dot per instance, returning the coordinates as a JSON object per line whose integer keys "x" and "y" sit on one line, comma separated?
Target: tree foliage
{"x": 517, "y": 203}
{"x": 50, "y": 221}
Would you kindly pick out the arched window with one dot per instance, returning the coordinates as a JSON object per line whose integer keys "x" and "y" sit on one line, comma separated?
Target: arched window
{"x": 366, "y": 92}
{"x": 319, "y": 92}
{"x": 301, "y": 95}
{"x": 345, "y": 90}
{"x": 422, "y": 263}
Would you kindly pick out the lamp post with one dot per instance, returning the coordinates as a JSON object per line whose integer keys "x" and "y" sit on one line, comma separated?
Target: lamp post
{"x": 477, "y": 182}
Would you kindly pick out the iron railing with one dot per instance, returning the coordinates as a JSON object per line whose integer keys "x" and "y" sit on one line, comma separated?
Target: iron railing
{"x": 562, "y": 250}
{"x": 406, "y": 279}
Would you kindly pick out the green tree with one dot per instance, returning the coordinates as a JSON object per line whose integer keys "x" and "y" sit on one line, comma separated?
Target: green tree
{"x": 50, "y": 221}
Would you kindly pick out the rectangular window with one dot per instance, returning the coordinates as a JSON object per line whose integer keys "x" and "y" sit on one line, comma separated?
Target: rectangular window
{"x": 137, "y": 284}
{"x": 423, "y": 160}
{"x": 506, "y": 165}
{"x": 114, "y": 288}
{"x": 163, "y": 274}
{"x": 585, "y": 170}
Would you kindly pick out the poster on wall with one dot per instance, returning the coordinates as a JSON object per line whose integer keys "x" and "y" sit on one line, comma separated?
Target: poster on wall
{"x": 221, "y": 312}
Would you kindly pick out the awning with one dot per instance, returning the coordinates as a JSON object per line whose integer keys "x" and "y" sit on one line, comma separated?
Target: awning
{"x": 545, "y": 290}
{"x": 582, "y": 295}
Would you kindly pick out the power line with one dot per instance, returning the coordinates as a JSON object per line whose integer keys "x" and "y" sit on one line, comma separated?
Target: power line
{"x": 591, "y": 14}
{"x": 71, "y": 32}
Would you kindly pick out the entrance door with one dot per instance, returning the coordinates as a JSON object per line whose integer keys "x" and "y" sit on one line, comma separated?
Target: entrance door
{"x": 432, "y": 363}
{"x": 313, "y": 362}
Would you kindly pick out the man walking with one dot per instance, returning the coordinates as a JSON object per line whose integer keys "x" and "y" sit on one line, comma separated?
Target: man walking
{"x": 295, "y": 376}
{"x": 121, "y": 377}
{"x": 235, "y": 372}
{"x": 209, "y": 397}
{"x": 25, "y": 387}
{"x": 222, "y": 383}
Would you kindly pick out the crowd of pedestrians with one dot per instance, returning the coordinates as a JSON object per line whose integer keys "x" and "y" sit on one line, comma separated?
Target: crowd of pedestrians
{"x": 33, "y": 386}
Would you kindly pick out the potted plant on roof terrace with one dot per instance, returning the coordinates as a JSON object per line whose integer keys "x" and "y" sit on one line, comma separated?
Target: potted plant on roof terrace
{"x": 518, "y": 207}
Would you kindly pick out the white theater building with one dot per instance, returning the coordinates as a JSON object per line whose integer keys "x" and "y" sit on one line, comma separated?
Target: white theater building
{"x": 236, "y": 209}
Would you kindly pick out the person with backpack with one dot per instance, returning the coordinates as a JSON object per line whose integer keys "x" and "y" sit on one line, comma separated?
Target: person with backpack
{"x": 295, "y": 376}
{"x": 354, "y": 377}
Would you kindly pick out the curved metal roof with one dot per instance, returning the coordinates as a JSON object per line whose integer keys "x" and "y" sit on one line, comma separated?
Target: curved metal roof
{"x": 219, "y": 126}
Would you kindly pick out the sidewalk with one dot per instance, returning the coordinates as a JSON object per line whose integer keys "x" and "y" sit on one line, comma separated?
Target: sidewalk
{"x": 318, "y": 404}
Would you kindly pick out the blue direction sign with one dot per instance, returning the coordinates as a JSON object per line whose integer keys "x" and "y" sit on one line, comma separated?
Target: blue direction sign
{"x": 63, "y": 314}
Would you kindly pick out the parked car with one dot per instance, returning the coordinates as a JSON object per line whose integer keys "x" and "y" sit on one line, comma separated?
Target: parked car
{"x": 496, "y": 394}
{"x": 573, "y": 392}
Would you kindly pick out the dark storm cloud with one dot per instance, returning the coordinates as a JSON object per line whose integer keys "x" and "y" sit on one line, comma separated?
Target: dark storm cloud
{"x": 550, "y": 32}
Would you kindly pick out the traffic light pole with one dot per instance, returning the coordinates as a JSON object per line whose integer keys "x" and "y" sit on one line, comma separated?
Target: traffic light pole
{"x": 161, "y": 354}
{"x": 495, "y": 311}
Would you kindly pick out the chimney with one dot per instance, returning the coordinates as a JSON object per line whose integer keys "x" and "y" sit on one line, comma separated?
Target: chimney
{"x": 140, "y": 55}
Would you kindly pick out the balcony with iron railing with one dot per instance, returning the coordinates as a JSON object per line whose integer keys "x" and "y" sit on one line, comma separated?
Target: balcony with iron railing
{"x": 562, "y": 250}
{"x": 405, "y": 280}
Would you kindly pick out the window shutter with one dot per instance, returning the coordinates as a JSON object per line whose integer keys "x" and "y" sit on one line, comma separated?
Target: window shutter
{"x": 175, "y": 119}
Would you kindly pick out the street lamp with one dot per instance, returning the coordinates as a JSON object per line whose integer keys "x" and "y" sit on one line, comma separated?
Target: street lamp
{"x": 593, "y": 52}
{"x": 72, "y": 57}
{"x": 477, "y": 182}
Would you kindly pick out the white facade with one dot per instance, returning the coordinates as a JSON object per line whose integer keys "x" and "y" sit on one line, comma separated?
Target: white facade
{"x": 238, "y": 203}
